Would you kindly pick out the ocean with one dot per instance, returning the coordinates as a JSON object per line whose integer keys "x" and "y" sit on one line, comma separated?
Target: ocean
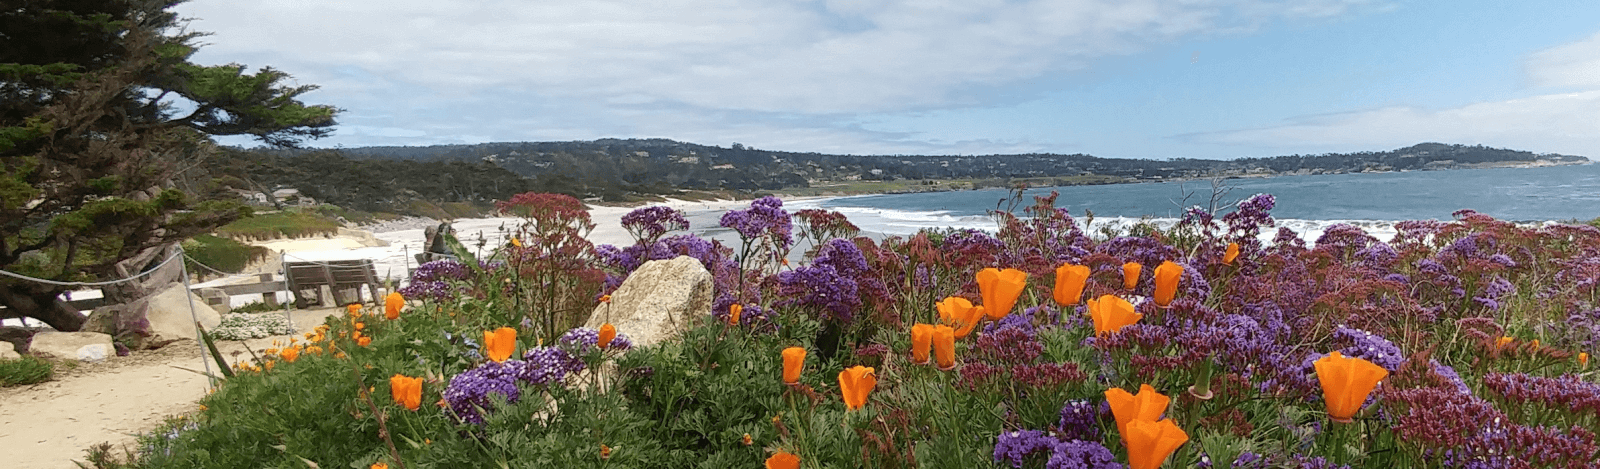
{"x": 1306, "y": 204}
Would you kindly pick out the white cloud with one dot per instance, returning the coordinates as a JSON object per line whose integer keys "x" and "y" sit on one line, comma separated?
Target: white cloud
{"x": 786, "y": 56}
{"x": 1565, "y": 122}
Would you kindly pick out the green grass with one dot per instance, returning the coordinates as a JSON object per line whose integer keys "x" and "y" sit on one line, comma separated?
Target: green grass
{"x": 292, "y": 223}
{"x": 25, "y": 370}
{"x": 223, "y": 254}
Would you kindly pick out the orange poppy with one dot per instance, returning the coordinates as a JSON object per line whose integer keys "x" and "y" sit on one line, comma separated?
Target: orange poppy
{"x": 794, "y": 360}
{"x": 1127, "y": 407}
{"x": 1069, "y": 283}
{"x": 515, "y": 241}
{"x": 1111, "y": 313}
{"x": 607, "y": 333}
{"x": 290, "y": 354}
{"x": 959, "y": 314}
{"x": 1166, "y": 278}
{"x": 1000, "y": 289}
{"x": 1130, "y": 275}
{"x": 407, "y": 391}
{"x": 500, "y": 343}
{"x": 353, "y": 308}
{"x": 856, "y": 383}
{"x": 1150, "y": 442}
{"x": 1503, "y": 342}
{"x": 1346, "y": 382}
{"x": 605, "y": 298}
{"x": 921, "y": 342}
{"x": 380, "y": 465}
{"x": 392, "y": 304}
{"x": 944, "y": 347}
{"x": 1583, "y": 360}
{"x": 734, "y": 311}
{"x": 783, "y": 460}
{"x": 364, "y": 341}
{"x": 1231, "y": 254}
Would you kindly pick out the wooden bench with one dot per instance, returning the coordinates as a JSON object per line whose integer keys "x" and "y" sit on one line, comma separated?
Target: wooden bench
{"x": 343, "y": 279}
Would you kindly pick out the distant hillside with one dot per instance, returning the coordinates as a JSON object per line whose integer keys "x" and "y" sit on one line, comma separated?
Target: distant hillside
{"x": 616, "y": 169}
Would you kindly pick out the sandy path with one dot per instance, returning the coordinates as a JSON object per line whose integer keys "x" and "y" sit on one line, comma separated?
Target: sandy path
{"x": 49, "y": 425}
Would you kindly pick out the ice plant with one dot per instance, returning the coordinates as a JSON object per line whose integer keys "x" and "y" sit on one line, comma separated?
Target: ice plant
{"x": 921, "y": 342}
{"x": 1130, "y": 275}
{"x": 959, "y": 314}
{"x": 1127, "y": 407}
{"x": 407, "y": 391}
{"x": 856, "y": 383}
{"x": 1070, "y": 279}
{"x": 783, "y": 460}
{"x": 1231, "y": 254}
{"x": 1166, "y": 279}
{"x": 392, "y": 304}
{"x": 794, "y": 359}
{"x": 734, "y": 311}
{"x": 1346, "y": 382}
{"x": 607, "y": 332}
{"x": 1000, "y": 289}
{"x": 500, "y": 343}
{"x": 1149, "y": 442}
{"x": 1111, "y": 313}
{"x": 944, "y": 347}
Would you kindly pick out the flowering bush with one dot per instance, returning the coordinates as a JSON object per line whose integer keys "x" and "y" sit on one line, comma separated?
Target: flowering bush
{"x": 241, "y": 326}
{"x": 1453, "y": 345}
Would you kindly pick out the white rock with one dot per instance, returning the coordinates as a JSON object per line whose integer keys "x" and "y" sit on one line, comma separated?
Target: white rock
{"x": 8, "y": 351}
{"x": 169, "y": 314}
{"x": 69, "y": 345}
{"x": 660, "y": 299}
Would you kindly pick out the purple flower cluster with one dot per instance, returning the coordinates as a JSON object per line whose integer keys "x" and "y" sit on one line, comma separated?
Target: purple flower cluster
{"x": 1497, "y": 290}
{"x": 764, "y": 220}
{"x": 1015, "y": 446}
{"x": 1568, "y": 392}
{"x": 548, "y": 365}
{"x": 1080, "y": 420}
{"x": 1370, "y": 347}
{"x": 1252, "y": 214}
{"x": 470, "y": 391}
{"x": 836, "y": 283}
{"x": 648, "y": 224}
{"x": 583, "y": 339}
{"x": 436, "y": 280}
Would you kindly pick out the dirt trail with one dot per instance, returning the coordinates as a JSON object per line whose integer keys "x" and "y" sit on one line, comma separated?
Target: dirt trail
{"x": 49, "y": 425}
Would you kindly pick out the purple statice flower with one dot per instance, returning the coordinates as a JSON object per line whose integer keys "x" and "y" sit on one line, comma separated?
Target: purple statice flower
{"x": 1370, "y": 347}
{"x": 1252, "y": 214}
{"x": 1377, "y": 256}
{"x": 436, "y": 280}
{"x": 1249, "y": 460}
{"x": 972, "y": 247}
{"x": 1450, "y": 375}
{"x": 583, "y": 339}
{"x": 1495, "y": 291}
{"x": 1081, "y": 454}
{"x": 764, "y": 220}
{"x": 1014, "y": 446}
{"x": 1567, "y": 392}
{"x": 1008, "y": 346}
{"x": 1397, "y": 278}
{"x": 833, "y": 294}
{"x": 1503, "y": 260}
{"x": 1344, "y": 239}
{"x": 648, "y": 224}
{"x": 547, "y": 365}
{"x": 1080, "y": 420}
{"x": 1319, "y": 462}
{"x": 470, "y": 391}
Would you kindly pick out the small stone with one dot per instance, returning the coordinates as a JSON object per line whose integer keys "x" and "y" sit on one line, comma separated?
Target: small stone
{"x": 8, "y": 351}
{"x": 67, "y": 345}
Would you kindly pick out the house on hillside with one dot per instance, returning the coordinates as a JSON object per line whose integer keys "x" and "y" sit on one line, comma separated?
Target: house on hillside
{"x": 293, "y": 196}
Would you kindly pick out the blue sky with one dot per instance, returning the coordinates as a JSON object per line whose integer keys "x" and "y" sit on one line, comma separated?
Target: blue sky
{"x": 1116, "y": 78}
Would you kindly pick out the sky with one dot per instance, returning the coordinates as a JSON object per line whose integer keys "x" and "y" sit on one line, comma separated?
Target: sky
{"x": 1157, "y": 79}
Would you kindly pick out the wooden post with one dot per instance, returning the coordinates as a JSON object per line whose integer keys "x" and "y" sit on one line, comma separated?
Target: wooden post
{"x": 270, "y": 298}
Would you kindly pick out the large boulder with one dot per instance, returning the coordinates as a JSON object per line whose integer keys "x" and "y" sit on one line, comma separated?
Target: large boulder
{"x": 660, "y": 299}
{"x": 154, "y": 321}
{"x": 85, "y": 346}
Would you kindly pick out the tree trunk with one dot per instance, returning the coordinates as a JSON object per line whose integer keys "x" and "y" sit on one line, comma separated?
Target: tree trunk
{"x": 155, "y": 282}
{"x": 42, "y": 302}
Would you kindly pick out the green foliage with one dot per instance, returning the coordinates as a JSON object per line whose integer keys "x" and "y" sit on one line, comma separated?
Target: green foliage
{"x": 291, "y": 223}
{"x": 25, "y": 370}
{"x": 222, "y": 254}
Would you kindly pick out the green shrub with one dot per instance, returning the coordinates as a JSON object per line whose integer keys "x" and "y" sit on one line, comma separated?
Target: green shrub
{"x": 291, "y": 223}
{"x": 25, "y": 370}
{"x": 222, "y": 254}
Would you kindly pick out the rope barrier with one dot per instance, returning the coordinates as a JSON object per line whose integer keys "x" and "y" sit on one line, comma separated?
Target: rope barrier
{"x": 94, "y": 284}
{"x": 210, "y": 268}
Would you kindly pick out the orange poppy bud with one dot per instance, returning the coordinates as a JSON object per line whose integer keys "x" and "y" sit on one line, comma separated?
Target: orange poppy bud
{"x": 746, "y": 440}
{"x": 290, "y": 354}
{"x": 1231, "y": 254}
{"x": 1166, "y": 279}
{"x": 734, "y": 312}
{"x": 1000, "y": 289}
{"x": 794, "y": 360}
{"x": 856, "y": 383}
{"x": 1130, "y": 275}
{"x": 515, "y": 241}
{"x": 959, "y": 314}
{"x": 1111, "y": 313}
{"x": 407, "y": 391}
{"x": 605, "y": 298}
{"x": 1069, "y": 283}
{"x": 921, "y": 342}
{"x": 500, "y": 343}
{"x": 353, "y": 308}
{"x": 944, "y": 347}
{"x": 1535, "y": 343}
{"x": 1503, "y": 342}
{"x": 392, "y": 304}
{"x": 1346, "y": 382}
{"x": 607, "y": 332}
{"x": 605, "y": 451}
{"x": 380, "y": 465}
{"x": 1150, "y": 442}
{"x": 1127, "y": 407}
{"x": 783, "y": 460}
